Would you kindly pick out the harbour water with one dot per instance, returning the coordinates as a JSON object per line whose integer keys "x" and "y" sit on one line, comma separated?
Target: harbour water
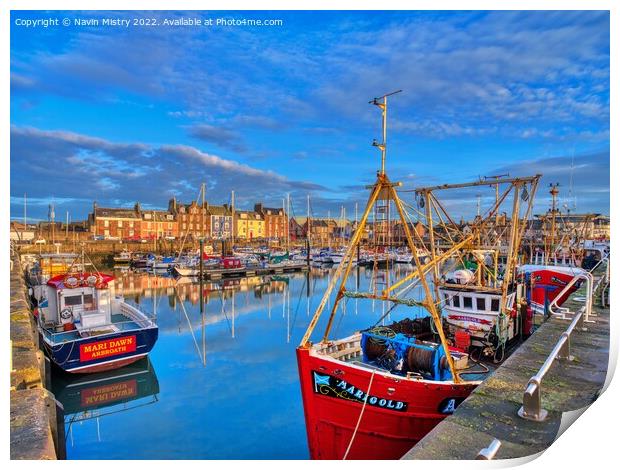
{"x": 221, "y": 385}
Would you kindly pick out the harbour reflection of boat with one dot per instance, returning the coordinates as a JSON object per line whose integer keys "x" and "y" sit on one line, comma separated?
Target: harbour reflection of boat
{"x": 86, "y": 397}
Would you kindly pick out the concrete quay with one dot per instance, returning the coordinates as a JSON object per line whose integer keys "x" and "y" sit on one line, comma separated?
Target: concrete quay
{"x": 35, "y": 419}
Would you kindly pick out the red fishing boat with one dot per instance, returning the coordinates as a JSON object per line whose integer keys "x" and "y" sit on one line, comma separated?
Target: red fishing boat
{"x": 355, "y": 410}
{"x": 377, "y": 392}
{"x": 554, "y": 265}
{"x": 546, "y": 282}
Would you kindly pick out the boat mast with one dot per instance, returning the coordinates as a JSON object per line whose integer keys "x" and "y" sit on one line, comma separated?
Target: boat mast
{"x": 232, "y": 205}
{"x": 286, "y": 214}
{"x": 309, "y": 225}
{"x": 202, "y": 228}
{"x": 383, "y": 188}
{"x": 25, "y": 218}
{"x": 554, "y": 194}
{"x": 329, "y": 234}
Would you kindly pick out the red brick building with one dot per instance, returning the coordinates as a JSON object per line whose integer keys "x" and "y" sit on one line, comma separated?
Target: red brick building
{"x": 112, "y": 223}
{"x": 275, "y": 221}
{"x": 193, "y": 219}
{"x": 158, "y": 224}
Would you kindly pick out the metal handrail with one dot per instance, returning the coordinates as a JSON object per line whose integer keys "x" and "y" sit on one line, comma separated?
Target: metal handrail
{"x": 531, "y": 408}
{"x": 561, "y": 311}
{"x": 488, "y": 453}
{"x": 590, "y": 290}
{"x": 133, "y": 311}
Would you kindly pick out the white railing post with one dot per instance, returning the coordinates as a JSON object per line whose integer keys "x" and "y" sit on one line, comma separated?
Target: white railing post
{"x": 564, "y": 352}
{"x": 531, "y": 408}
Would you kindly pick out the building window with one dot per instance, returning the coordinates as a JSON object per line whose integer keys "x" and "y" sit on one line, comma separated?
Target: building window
{"x": 120, "y": 223}
{"x": 130, "y": 224}
{"x": 106, "y": 223}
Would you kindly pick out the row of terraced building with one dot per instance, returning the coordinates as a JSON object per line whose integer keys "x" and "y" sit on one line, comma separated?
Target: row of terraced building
{"x": 194, "y": 221}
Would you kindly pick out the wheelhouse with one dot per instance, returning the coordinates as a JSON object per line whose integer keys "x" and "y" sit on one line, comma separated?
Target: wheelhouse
{"x": 79, "y": 299}
{"x": 474, "y": 301}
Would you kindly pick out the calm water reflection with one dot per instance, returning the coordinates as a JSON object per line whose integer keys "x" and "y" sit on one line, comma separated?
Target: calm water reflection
{"x": 220, "y": 385}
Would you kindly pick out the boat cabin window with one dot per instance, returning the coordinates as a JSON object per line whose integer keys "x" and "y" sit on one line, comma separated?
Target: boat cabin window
{"x": 73, "y": 300}
{"x": 446, "y": 299}
{"x": 89, "y": 302}
{"x": 481, "y": 303}
{"x": 495, "y": 305}
{"x": 456, "y": 301}
{"x": 467, "y": 302}
{"x": 83, "y": 302}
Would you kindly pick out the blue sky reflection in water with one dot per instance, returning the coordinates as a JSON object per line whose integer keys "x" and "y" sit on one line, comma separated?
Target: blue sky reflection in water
{"x": 245, "y": 401}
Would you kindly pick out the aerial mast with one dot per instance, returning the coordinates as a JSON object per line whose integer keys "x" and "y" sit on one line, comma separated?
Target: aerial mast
{"x": 381, "y": 102}
{"x": 554, "y": 195}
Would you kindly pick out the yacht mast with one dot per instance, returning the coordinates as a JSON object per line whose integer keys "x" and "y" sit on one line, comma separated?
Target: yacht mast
{"x": 309, "y": 225}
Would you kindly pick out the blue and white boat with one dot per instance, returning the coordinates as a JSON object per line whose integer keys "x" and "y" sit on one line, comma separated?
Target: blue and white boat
{"x": 84, "y": 327}
{"x": 164, "y": 263}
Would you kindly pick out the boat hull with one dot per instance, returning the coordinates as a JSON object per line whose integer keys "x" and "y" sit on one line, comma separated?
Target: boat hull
{"x": 101, "y": 353}
{"x": 546, "y": 283}
{"x": 189, "y": 272}
{"x": 399, "y": 412}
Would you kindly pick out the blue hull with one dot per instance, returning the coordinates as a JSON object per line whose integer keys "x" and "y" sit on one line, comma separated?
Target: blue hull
{"x": 104, "y": 352}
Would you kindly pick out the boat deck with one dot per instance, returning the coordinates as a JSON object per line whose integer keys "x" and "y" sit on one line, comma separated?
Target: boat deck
{"x": 350, "y": 352}
{"x": 476, "y": 372}
{"x": 119, "y": 324}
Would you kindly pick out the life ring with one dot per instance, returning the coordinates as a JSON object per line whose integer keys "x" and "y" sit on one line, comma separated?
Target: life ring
{"x": 66, "y": 315}
{"x": 71, "y": 281}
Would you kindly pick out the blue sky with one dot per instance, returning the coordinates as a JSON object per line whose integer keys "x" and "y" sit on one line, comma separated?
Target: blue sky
{"x": 120, "y": 115}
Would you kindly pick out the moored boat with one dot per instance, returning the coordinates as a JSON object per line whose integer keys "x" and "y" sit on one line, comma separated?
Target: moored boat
{"x": 400, "y": 383}
{"x": 124, "y": 257}
{"x": 376, "y": 393}
{"x": 84, "y": 327}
